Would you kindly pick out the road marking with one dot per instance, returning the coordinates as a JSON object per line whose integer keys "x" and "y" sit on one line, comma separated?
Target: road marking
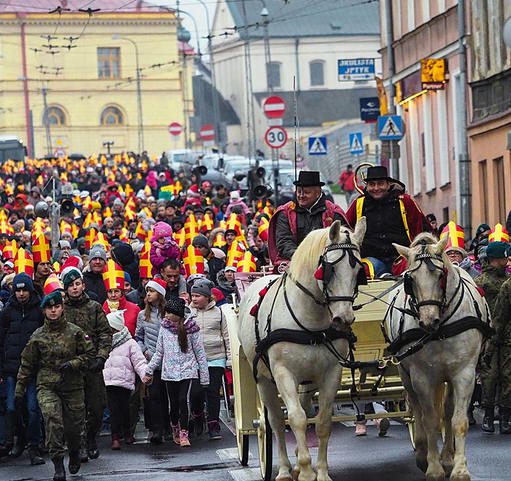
{"x": 247, "y": 474}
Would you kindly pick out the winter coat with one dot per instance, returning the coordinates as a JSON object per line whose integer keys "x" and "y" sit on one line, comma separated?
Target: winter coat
{"x": 94, "y": 282}
{"x": 213, "y": 331}
{"x": 130, "y": 313}
{"x": 146, "y": 333}
{"x": 89, "y": 316}
{"x": 17, "y": 324}
{"x": 124, "y": 362}
{"x": 176, "y": 365}
{"x": 137, "y": 296}
{"x": 227, "y": 288}
{"x": 234, "y": 203}
{"x": 161, "y": 252}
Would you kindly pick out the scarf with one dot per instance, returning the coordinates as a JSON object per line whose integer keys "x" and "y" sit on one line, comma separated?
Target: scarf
{"x": 190, "y": 325}
{"x": 113, "y": 305}
{"x": 120, "y": 337}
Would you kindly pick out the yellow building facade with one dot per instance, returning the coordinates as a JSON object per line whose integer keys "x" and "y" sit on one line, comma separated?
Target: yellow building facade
{"x": 81, "y": 70}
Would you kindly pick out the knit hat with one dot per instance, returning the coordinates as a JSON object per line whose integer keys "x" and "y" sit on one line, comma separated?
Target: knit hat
{"x": 52, "y": 299}
{"x": 217, "y": 294}
{"x": 9, "y": 278}
{"x": 235, "y": 195}
{"x": 175, "y": 305}
{"x": 202, "y": 287}
{"x": 64, "y": 244}
{"x": 161, "y": 229}
{"x": 22, "y": 281}
{"x": 97, "y": 252}
{"x": 498, "y": 250}
{"x": 123, "y": 253}
{"x": 158, "y": 284}
{"x": 230, "y": 268}
{"x": 116, "y": 319}
{"x": 200, "y": 241}
{"x": 71, "y": 274}
{"x": 482, "y": 228}
{"x": 127, "y": 277}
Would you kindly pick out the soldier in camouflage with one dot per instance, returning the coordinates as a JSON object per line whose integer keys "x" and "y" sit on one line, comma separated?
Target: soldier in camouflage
{"x": 58, "y": 353}
{"x": 80, "y": 309}
{"x": 495, "y": 367}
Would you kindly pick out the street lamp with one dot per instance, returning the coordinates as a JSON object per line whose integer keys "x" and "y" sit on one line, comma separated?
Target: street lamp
{"x": 267, "y": 55}
{"x": 139, "y": 94}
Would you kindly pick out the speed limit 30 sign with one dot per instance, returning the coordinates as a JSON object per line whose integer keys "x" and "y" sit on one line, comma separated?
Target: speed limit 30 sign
{"x": 275, "y": 137}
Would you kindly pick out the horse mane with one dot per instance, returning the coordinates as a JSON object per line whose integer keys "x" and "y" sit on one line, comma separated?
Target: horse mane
{"x": 306, "y": 257}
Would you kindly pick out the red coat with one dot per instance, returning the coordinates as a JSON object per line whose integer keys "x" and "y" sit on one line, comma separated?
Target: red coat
{"x": 130, "y": 313}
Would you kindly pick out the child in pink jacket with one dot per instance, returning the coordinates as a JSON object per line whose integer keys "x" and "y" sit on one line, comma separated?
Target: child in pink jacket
{"x": 163, "y": 246}
{"x": 124, "y": 362}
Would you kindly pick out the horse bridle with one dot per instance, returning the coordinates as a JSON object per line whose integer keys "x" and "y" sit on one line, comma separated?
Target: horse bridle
{"x": 425, "y": 257}
{"x": 325, "y": 272}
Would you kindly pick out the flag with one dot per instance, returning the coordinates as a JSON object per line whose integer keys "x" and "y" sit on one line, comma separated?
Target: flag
{"x": 52, "y": 283}
{"x": 107, "y": 212}
{"x": 207, "y": 223}
{"x": 41, "y": 249}
{"x": 145, "y": 261}
{"x": 10, "y": 249}
{"x": 23, "y": 262}
{"x": 498, "y": 233}
{"x": 247, "y": 263}
{"x": 234, "y": 254}
{"x": 113, "y": 277}
{"x": 180, "y": 237}
{"x": 193, "y": 261}
{"x": 455, "y": 234}
{"x": 234, "y": 223}
{"x": 191, "y": 228}
{"x": 140, "y": 232}
{"x": 262, "y": 230}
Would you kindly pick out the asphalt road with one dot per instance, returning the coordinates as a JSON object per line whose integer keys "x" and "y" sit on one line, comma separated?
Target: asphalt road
{"x": 366, "y": 458}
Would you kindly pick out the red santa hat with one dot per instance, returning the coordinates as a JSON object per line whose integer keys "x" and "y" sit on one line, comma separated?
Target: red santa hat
{"x": 158, "y": 284}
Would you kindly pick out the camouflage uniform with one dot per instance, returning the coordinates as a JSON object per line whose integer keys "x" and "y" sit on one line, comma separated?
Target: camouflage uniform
{"x": 89, "y": 316}
{"x": 60, "y": 394}
{"x": 491, "y": 281}
{"x": 502, "y": 341}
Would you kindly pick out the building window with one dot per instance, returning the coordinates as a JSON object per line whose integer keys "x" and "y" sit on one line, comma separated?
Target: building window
{"x": 273, "y": 72}
{"x": 112, "y": 116}
{"x": 498, "y": 175}
{"x": 109, "y": 62}
{"x": 56, "y": 116}
{"x": 317, "y": 72}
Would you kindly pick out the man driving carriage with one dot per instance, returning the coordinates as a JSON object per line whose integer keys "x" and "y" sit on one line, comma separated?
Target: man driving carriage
{"x": 392, "y": 217}
{"x": 293, "y": 221}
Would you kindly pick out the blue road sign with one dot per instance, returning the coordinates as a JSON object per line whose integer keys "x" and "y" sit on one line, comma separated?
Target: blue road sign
{"x": 355, "y": 69}
{"x": 317, "y": 146}
{"x": 390, "y": 127}
{"x": 356, "y": 145}
{"x": 369, "y": 109}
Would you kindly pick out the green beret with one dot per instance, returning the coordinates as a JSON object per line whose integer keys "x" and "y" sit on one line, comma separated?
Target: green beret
{"x": 498, "y": 250}
{"x": 70, "y": 277}
{"x": 52, "y": 299}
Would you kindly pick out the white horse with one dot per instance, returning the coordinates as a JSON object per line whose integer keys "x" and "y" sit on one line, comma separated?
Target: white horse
{"x": 305, "y": 299}
{"x": 441, "y": 305}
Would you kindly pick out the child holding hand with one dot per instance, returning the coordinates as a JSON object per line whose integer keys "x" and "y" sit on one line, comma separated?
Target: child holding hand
{"x": 180, "y": 353}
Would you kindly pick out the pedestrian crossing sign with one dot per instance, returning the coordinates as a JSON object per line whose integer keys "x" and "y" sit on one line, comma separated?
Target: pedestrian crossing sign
{"x": 317, "y": 146}
{"x": 356, "y": 145}
{"x": 390, "y": 127}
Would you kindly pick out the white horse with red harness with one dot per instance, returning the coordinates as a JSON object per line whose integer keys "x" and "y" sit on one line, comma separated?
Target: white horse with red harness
{"x": 295, "y": 330}
{"x": 436, "y": 323}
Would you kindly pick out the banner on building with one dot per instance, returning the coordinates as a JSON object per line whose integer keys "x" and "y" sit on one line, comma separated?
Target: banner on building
{"x": 433, "y": 73}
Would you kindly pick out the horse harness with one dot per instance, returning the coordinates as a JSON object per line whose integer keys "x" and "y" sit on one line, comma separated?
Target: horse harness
{"x": 305, "y": 336}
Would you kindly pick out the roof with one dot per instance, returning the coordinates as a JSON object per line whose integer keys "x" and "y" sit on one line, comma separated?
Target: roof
{"x": 307, "y": 18}
{"x": 316, "y": 107}
{"x": 105, "y": 6}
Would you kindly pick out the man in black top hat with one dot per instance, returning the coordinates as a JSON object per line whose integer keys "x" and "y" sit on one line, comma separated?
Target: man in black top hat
{"x": 392, "y": 216}
{"x": 294, "y": 220}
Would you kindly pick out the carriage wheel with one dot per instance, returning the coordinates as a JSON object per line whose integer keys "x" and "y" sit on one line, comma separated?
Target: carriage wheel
{"x": 265, "y": 443}
{"x": 243, "y": 442}
{"x": 411, "y": 431}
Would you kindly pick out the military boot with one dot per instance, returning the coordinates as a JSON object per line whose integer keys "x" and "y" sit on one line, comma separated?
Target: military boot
{"x": 504, "y": 425}
{"x": 35, "y": 457}
{"x": 74, "y": 461}
{"x": 60, "y": 472}
{"x": 488, "y": 419}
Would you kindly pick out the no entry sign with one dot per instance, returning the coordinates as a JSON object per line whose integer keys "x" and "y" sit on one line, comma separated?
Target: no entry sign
{"x": 207, "y": 132}
{"x": 175, "y": 129}
{"x": 274, "y": 107}
{"x": 275, "y": 137}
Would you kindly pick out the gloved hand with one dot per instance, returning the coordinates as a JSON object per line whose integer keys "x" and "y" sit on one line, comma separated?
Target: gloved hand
{"x": 18, "y": 404}
{"x": 66, "y": 367}
{"x": 97, "y": 365}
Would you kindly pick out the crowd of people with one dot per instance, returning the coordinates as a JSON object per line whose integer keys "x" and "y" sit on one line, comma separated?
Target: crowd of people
{"x": 116, "y": 305}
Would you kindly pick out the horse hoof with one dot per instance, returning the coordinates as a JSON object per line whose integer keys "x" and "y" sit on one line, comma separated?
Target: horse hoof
{"x": 460, "y": 476}
{"x": 435, "y": 476}
{"x": 448, "y": 467}
{"x": 422, "y": 464}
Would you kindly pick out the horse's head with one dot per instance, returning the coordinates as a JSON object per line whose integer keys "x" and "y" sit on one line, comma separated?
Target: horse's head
{"x": 426, "y": 279}
{"x": 340, "y": 271}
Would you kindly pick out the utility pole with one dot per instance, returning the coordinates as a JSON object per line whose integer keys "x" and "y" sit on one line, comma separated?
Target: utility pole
{"x": 46, "y": 121}
{"x": 108, "y": 145}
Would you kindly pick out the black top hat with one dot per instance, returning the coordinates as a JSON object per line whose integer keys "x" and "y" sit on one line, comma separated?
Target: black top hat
{"x": 378, "y": 172}
{"x": 308, "y": 178}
